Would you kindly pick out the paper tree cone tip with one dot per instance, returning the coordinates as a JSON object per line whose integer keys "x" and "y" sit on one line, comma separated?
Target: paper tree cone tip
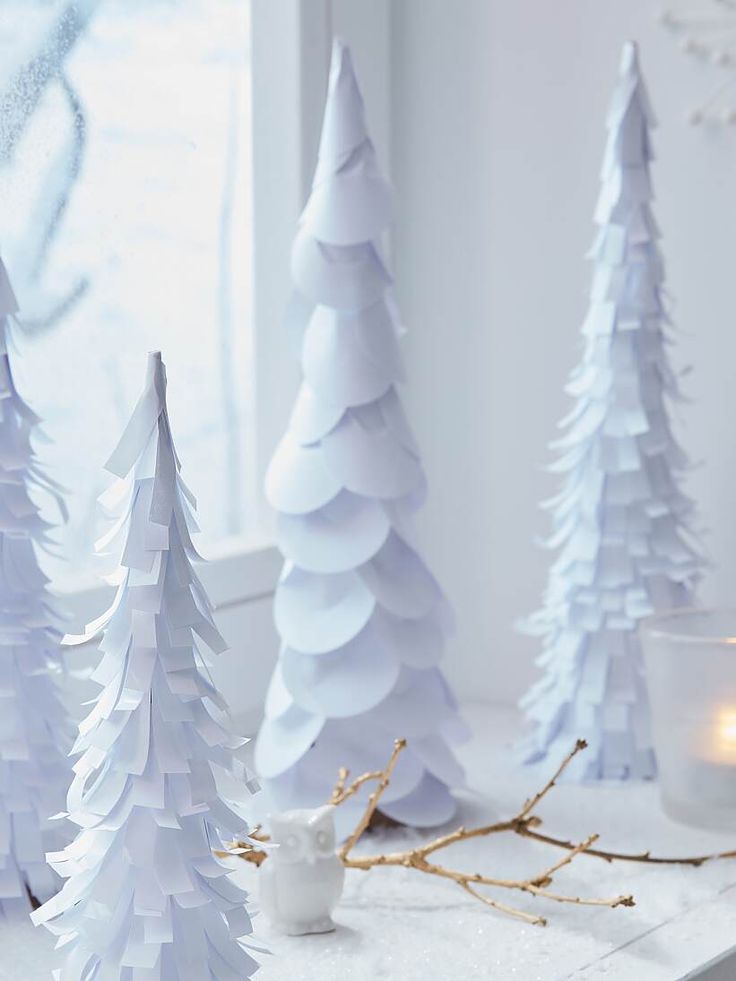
{"x": 343, "y": 70}
{"x": 341, "y": 57}
{"x": 156, "y": 374}
{"x": 343, "y": 125}
{"x": 155, "y": 364}
{"x": 149, "y": 407}
{"x": 629, "y": 57}
{"x": 340, "y": 47}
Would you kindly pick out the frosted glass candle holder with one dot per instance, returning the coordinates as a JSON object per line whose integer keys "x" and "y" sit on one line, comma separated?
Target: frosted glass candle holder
{"x": 690, "y": 660}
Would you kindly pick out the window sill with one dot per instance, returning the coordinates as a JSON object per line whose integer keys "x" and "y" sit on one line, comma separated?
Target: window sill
{"x": 396, "y": 923}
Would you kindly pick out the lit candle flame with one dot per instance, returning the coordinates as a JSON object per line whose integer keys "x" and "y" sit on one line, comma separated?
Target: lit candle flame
{"x": 727, "y": 727}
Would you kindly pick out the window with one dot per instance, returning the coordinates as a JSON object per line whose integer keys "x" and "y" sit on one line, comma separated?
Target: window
{"x": 152, "y": 153}
{"x": 125, "y": 179}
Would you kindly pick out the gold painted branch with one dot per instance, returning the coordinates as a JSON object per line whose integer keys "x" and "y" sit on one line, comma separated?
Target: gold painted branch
{"x": 525, "y": 824}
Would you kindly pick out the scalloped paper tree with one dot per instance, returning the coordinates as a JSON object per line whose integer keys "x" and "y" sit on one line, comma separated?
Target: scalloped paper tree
{"x": 621, "y": 521}
{"x": 157, "y": 785}
{"x": 35, "y": 731}
{"x": 362, "y": 620}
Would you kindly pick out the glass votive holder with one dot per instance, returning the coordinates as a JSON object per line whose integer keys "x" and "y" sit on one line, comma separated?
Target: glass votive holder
{"x": 690, "y": 662}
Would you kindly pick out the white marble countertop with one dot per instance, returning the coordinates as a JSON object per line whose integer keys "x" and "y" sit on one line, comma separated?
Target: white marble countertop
{"x": 399, "y": 925}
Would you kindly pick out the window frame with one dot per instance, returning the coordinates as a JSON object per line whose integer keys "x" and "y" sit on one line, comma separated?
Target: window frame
{"x": 290, "y": 50}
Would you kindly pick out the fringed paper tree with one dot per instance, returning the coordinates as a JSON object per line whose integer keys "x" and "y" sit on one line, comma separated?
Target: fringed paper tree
{"x": 362, "y": 620}
{"x": 621, "y": 521}
{"x": 35, "y": 732}
{"x": 157, "y": 785}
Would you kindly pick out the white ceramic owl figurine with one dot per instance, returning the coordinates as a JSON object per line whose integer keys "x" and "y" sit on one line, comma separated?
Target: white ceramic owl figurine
{"x": 302, "y": 880}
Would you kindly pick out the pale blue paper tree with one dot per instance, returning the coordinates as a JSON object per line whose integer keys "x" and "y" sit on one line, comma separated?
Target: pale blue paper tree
{"x": 362, "y": 620}
{"x": 622, "y": 524}
{"x": 35, "y": 731}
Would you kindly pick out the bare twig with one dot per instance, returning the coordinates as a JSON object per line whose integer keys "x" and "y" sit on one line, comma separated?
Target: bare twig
{"x": 417, "y": 858}
{"x": 525, "y": 824}
{"x": 545, "y": 877}
{"x": 384, "y": 779}
{"x": 504, "y": 908}
{"x": 341, "y": 793}
{"x": 531, "y": 804}
{"x": 336, "y": 797}
{"x": 695, "y": 861}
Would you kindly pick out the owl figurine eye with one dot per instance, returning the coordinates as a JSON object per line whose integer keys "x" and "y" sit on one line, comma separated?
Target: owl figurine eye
{"x": 288, "y": 833}
{"x": 324, "y": 836}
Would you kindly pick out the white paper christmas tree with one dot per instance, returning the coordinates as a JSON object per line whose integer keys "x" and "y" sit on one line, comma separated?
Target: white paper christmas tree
{"x": 362, "y": 620}
{"x": 35, "y": 732}
{"x": 157, "y": 787}
{"x": 621, "y": 521}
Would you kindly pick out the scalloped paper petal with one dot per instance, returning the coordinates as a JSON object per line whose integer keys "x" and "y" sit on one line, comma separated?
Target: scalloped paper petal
{"x": 283, "y": 741}
{"x": 363, "y": 747}
{"x": 278, "y": 697}
{"x": 313, "y": 417}
{"x": 435, "y": 754}
{"x": 400, "y": 580}
{"x": 378, "y": 336}
{"x": 416, "y": 643}
{"x": 416, "y": 706}
{"x": 340, "y": 536}
{"x": 345, "y": 682}
{"x": 401, "y": 511}
{"x": 298, "y": 479}
{"x": 456, "y": 730}
{"x": 297, "y": 315}
{"x": 350, "y": 207}
{"x": 337, "y": 363}
{"x": 348, "y": 278}
{"x": 289, "y": 790}
{"x": 316, "y": 613}
{"x": 370, "y": 462}
{"x": 429, "y": 806}
{"x": 395, "y": 418}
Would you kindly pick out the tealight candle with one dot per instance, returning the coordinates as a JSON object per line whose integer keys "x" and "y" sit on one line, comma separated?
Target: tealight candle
{"x": 712, "y": 769}
{"x": 721, "y": 746}
{"x": 690, "y": 658}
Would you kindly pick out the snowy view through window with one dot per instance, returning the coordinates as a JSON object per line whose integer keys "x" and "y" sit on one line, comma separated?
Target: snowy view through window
{"x": 125, "y": 226}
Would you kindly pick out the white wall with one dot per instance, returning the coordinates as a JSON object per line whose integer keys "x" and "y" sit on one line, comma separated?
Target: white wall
{"x": 498, "y": 114}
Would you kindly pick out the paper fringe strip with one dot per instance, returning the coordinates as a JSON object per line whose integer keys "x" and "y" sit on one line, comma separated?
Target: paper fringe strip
{"x": 362, "y": 620}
